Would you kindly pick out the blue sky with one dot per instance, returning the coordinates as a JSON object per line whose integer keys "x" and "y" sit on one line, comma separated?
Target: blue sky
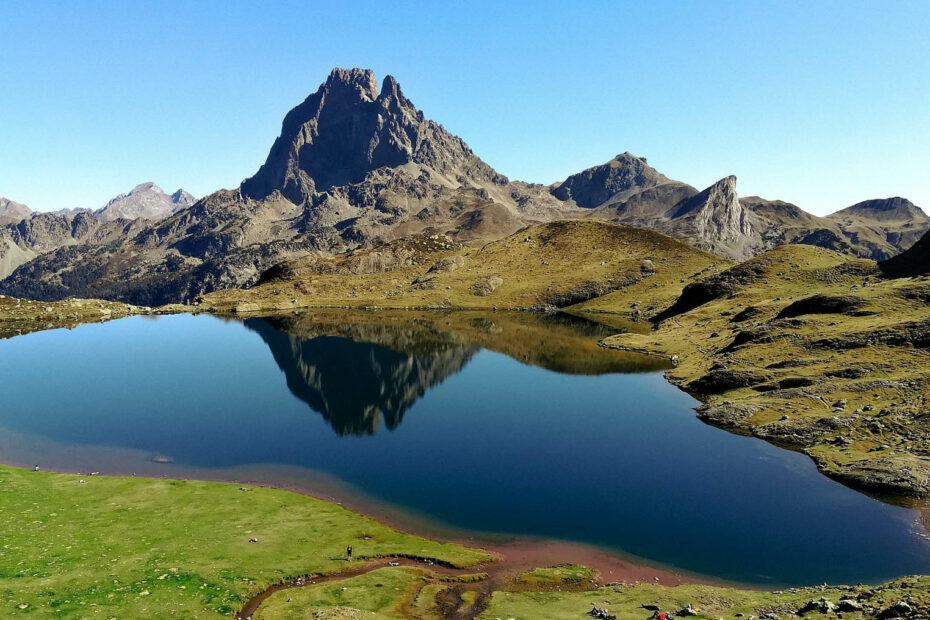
{"x": 820, "y": 103}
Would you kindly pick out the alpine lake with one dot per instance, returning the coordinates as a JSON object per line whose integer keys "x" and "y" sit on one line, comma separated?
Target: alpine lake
{"x": 496, "y": 425}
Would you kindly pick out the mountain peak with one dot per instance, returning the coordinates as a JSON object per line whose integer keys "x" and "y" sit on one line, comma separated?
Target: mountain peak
{"x": 884, "y": 209}
{"x": 346, "y": 130}
{"x": 149, "y": 186}
{"x": 145, "y": 200}
{"x": 361, "y": 82}
{"x": 721, "y": 196}
{"x": 183, "y": 198}
{"x": 622, "y": 176}
{"x": 717, "y": 221}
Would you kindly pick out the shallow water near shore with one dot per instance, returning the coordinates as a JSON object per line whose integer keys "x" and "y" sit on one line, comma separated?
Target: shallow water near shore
{"x": 515, "y": 425}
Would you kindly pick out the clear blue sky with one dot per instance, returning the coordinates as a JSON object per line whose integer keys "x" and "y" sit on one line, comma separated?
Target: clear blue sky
{"x": 820, "y": 103}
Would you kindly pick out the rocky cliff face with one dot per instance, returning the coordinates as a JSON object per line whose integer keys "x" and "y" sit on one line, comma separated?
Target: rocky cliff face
{"x": 25, "y": 236}
{"x": 146, "y": 201}
{"x": 347, "y": 129}
{"x": 715, "y": 221}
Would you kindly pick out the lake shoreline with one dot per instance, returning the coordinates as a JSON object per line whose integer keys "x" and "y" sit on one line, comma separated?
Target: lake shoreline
{"x": 515, "y": 554}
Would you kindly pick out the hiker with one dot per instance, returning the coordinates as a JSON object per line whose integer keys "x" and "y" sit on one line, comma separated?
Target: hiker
{"x": 349, "y": 553}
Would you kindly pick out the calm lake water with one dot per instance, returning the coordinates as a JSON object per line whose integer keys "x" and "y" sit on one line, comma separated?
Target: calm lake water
{"x": 490, "y": 423}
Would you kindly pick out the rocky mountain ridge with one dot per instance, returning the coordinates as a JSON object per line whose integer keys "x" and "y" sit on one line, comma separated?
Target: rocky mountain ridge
{"x": 356, "y": 166}
{"x": 719, "y": 221}
{"x": 25, "y": 235}
{"x": 147, "y": 201}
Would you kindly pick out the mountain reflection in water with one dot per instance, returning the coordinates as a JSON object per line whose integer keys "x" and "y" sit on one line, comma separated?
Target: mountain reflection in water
{"x": 355, "y": 369}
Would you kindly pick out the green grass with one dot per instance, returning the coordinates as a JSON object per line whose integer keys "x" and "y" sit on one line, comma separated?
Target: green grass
{"x": 135, "y": 548}
{"x": 554, "y": 576}
{"x": 388, "y": 592}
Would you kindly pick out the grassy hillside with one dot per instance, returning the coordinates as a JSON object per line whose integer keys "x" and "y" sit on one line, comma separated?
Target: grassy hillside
{"x": 813, "y": 350}
{"x": 555, "y": 264}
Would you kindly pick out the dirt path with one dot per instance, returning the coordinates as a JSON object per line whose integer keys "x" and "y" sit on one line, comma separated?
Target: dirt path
{"x": 512, "y": 560}
{"x": 368, "y": 566}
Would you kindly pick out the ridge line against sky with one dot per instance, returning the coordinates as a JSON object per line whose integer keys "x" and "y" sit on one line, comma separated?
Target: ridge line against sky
{"x": 821, "y": 104}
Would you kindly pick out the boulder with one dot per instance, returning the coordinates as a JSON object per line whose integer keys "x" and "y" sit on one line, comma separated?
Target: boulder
{"x": 447, "y": 265}
{"x": 822, "y": 304}
{"x": 720, "y": 381}
{"x": 485, "y": 286}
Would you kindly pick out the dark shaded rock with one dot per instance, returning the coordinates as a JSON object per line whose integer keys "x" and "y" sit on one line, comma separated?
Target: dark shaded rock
{"x": 913, "y": 262}
{"x": 848, "y": 373}
{"x": 795, "y": 382}
{"x": 719, "y": 381}
{"x": 747, "y": 313}
{"x": 595, "y": 186}
{"x": 849, "y": 605}
{"x": 915, "y": 334}
{"x": 762, "y": 333}
{"x": 788, "y": 364}
{"x": 447, "y": 265}
{"x": 721, "y": 285}
{"x": 822, "y": 304}
{"x": 583, "y": 292}
{"x": 898, "y": 610}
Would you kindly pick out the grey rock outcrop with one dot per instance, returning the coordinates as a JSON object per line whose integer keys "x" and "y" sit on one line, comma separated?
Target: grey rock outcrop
{"x": 714, "y": 220}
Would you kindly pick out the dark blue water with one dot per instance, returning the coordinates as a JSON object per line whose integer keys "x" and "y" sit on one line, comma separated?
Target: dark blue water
{"x": 428, "y": 420}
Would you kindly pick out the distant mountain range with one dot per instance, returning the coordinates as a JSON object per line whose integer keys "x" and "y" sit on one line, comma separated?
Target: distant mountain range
{"x": 25, "y": 234}
{"x": 355, "y": 166}
{"x": 628, "y": 191}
